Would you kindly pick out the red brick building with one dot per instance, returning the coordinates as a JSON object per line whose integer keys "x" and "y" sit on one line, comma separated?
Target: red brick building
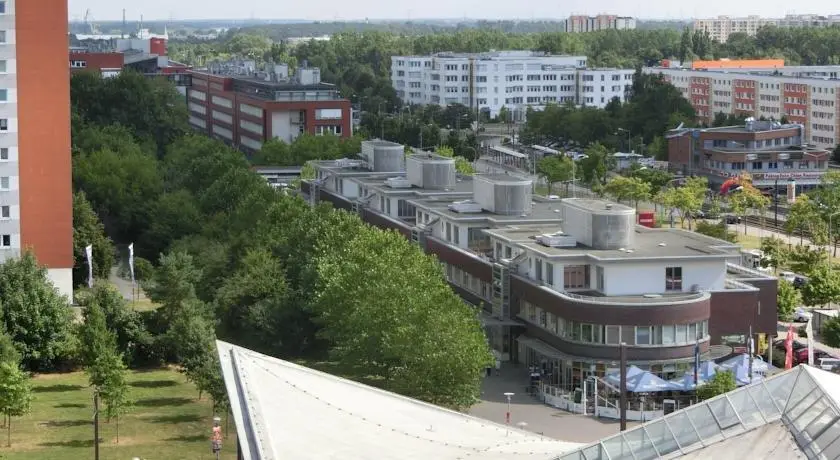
{"x": 247, "y": 109}
{"x": 106, "y": 63}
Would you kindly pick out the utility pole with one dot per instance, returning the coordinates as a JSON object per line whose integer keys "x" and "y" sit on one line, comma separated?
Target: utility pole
{"x": 96, "y": 425}
{"x": 623, "y": 385}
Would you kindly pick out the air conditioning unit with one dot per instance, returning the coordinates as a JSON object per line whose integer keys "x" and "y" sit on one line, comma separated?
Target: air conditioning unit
{"x": 557, "y": 240}
{"x": 466, "y": 206}
{"x": 398, "y": 182}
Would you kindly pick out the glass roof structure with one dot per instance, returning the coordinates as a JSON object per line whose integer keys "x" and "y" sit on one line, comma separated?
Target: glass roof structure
{"x": 805, "y": 400}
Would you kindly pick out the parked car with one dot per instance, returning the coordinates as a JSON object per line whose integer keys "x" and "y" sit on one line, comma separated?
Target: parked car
{"x": 788, "y": 276}
{"x": 799, "y": 281}
{"x": 801, "y": 315}
{"x": 830, "y": 363}
{"x": 730, "y": 219}
{"x": 697, "y": 214}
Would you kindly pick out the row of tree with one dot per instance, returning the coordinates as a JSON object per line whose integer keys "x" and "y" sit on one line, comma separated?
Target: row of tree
{"x": 236, "y": 259}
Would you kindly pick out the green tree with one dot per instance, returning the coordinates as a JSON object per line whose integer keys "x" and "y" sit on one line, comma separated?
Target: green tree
{"x": 95, "y": 337}
{"x": 113, "y": 387}
{"x": 801, "y": 217}
{"x": 173, "y": 282}
{"x": 803, "y": 259}
{"x": 822, "y": 288}
{"x": 556, "y": 168}
{"x": 830, "y": 333}
{"x": 631, "y": 189}
{"x": 747, "y": 198}
{"x": 788, "y": 300}
{"x": 595, "y": 165}
{"x": 34, "y": 314}
{"x": 429, "y": 345}
{"x": 87, "y": 230}
{"x": 774, "y": 252}
{"x": 722, "y": 382}
{"x": 8, "y": 351}
{"x": 192, "y": 339}
{"x": 686, "y": 199}
{"x": 15, "y": 395}
{"x": 717, "y": 230}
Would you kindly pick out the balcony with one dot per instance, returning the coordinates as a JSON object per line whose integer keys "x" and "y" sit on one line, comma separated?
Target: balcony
{"x": 596, "y": 298}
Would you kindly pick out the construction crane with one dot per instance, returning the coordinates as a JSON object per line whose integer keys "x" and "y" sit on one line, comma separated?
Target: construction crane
{"x": 88, "y": 22}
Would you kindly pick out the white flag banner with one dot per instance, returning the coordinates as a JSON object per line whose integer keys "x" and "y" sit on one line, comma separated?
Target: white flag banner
{"x": 131, "y": 261}
{"x": 809, "y": 331}
{"x": 89, "y": 255}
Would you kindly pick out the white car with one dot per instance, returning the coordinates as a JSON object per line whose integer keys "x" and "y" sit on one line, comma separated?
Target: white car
{"x": 801, "y": 315}
{"x": 788, "y": 276}
{"x": 829, "y": 364}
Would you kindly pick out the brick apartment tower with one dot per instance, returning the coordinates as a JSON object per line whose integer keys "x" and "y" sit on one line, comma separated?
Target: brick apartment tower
{"x": 36, "y": 203}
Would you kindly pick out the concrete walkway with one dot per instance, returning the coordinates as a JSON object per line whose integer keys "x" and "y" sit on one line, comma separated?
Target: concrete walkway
{"x": 125, "y": 286}
{"x": 539, "y": 418}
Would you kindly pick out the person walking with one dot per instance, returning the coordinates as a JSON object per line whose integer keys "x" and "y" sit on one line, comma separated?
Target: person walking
{"x": 498, "y": 366}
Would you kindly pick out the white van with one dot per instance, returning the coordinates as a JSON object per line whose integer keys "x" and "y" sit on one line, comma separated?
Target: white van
{"x": 829, "y": 364}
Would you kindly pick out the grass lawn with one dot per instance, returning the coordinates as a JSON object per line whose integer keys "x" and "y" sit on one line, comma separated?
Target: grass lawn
{"x": 167, "y": 421}
{"x": 143, "y": 304}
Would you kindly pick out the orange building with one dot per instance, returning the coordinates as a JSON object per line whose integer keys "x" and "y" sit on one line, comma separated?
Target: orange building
{"x": 739, "y": 64}
{"x": 36, "y": 203}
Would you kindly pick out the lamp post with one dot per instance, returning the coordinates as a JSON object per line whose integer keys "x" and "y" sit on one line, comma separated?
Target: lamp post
{"x": 508, "y": 395}
{"x": 628, "y": 137}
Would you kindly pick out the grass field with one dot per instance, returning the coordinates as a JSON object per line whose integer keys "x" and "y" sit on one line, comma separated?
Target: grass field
{"x": 167, "y": 421}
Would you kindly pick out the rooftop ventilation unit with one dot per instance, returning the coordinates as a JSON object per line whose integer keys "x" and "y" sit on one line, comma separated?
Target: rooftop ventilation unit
{"x": 398, "y": 182}
{"x": 557, "y": 240}
{"x": 348, "y": 163}
{"x": 465, "y": 206}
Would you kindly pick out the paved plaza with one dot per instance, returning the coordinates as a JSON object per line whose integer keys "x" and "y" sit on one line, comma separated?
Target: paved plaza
{"x": 538, "y": 417}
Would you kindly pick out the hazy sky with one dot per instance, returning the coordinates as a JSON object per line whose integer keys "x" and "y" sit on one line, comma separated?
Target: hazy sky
{"x": 395, "y": 9}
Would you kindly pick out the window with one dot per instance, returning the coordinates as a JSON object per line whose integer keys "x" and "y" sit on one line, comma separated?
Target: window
{"x": 4, "y": 124}
{"x": 3, "y": 66}
{"x": 576, "y": 277}
{"x": 643, "y": 335}
{"x": 4, "y": 183}
{"x": 4, "y": 154}
{"x": 448, "y": 231}
{"x": 549, "y": 273}
{"x": 673, "y": 278}
{"x": 613, "y": 335}
{"x": 5, "y": 212}
{"x": 2, "y": 7}
{"x": 457, "y": 235}
{"x": 7, "y": 241}
{"x": 2, "y": 36}
{"x": 668, "y": 335}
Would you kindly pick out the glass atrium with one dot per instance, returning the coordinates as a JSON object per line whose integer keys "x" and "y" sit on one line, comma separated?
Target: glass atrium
{"x": 804, "y": 399}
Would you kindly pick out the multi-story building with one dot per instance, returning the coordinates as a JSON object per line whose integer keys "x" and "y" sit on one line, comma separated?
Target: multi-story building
{"x": 557, "y": 281}
{"x": 36, "y": 199}
{"x": 577, "y": 23}
{"x": 245, "y": 108}
{"x": 721, "y": 27}
{"x": 771, "y": 153}
{"x": 808, "y": 95}
{"x": 108, "y": 64}
{"x": 515, "y": 80}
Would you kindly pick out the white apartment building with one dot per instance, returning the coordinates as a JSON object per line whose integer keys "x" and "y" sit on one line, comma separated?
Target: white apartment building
{"x": 721, "y": 27}
{"x": 512, "y": 79}
{"x": 578, "y": 23}
{"x": 809, "y": 96}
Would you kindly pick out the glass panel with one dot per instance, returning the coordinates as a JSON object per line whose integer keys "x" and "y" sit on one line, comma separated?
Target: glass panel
{"x": 706, "y": 425}
{"x": 794, "y": 411}
{"x": 827, "y": 417}
{"x": 745, "y": 408}
{"x": 725, "y": 414}
{"x": 764, "y": 400}
{"x": 616, "y": 448}
{"x": 641, "y": 444}
{"x": 780, "y": 389}
{"x": 811, "y": 413}
{"x": 802, "y": 387}
{"x": 576, "y": 455}
{"x": 661, "y": 437}
{"x": 594, "y": 453}
{"x": 829, "y": 442}
{"x": 683, "y": 431}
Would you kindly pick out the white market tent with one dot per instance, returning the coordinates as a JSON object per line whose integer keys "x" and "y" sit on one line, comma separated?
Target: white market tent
{"x": 283, "y": 410}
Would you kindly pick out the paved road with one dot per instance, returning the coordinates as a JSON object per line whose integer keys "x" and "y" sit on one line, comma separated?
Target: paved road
{"x": 124, "y": 285}
{"x": 539, "y": 418}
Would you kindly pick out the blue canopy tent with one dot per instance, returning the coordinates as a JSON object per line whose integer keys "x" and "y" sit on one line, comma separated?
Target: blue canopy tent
{"x": 649, "y": 383}
{"x": 614, "y": 379}
{"x": 706, "y": 371}
{"x": 743, "y": 360}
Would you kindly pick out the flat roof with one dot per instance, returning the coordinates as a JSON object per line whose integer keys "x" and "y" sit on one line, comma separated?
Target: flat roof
{"x": 650, "y": 243}
{"x": 463, "y": 186}
{"x": 598, "y": 206}
{"x": 542, "y": 212}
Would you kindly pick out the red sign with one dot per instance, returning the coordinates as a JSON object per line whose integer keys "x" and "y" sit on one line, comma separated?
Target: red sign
{"x": 647, "y": 219}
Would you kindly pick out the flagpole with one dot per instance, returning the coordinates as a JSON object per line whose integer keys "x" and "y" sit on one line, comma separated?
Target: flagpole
{"x": 809, "y": 331}
{"x": 696, "y": 361}
{"x": 750, "y": 351}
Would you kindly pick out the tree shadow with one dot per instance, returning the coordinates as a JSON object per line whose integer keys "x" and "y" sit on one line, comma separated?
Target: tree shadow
{"x": 183, "y": 418}
{"x": 66, "y": 423}
{"x": 160, "y": 402}
{"x": 74, "y": 443}
{"x": 154, "y": 384}
{"x": 185, "y": 438}
{"x": 57, "y": 388}
{"x": 70, "y": 406}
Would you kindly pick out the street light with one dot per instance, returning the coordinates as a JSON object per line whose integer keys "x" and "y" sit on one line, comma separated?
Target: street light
{"x": 628, "y": 137}
{"x": 508, "y": 395}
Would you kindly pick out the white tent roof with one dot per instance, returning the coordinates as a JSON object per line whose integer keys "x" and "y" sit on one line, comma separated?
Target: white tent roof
{"x": 283, "y": 410}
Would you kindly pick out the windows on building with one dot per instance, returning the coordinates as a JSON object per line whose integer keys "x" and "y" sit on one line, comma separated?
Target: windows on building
{"x": 4, "y": 154}
{"x": 5, "y": 183}
{"x": 6, "y": 241}
{"x": 576, "y": 277}
{"x": 673, "y": 279}
{"x": 5, "y": 212}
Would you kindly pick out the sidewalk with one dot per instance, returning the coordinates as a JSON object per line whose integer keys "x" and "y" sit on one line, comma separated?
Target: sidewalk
{"x": 539, "y": 418}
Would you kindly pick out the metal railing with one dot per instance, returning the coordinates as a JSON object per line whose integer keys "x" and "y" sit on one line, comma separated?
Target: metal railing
{"x": 618, "y": 300}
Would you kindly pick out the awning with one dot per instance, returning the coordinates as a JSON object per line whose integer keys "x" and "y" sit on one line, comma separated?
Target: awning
{"x": 543, "y": 348}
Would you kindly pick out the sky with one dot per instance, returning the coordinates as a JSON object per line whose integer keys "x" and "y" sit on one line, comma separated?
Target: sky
{"x": 328, "y": 10}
